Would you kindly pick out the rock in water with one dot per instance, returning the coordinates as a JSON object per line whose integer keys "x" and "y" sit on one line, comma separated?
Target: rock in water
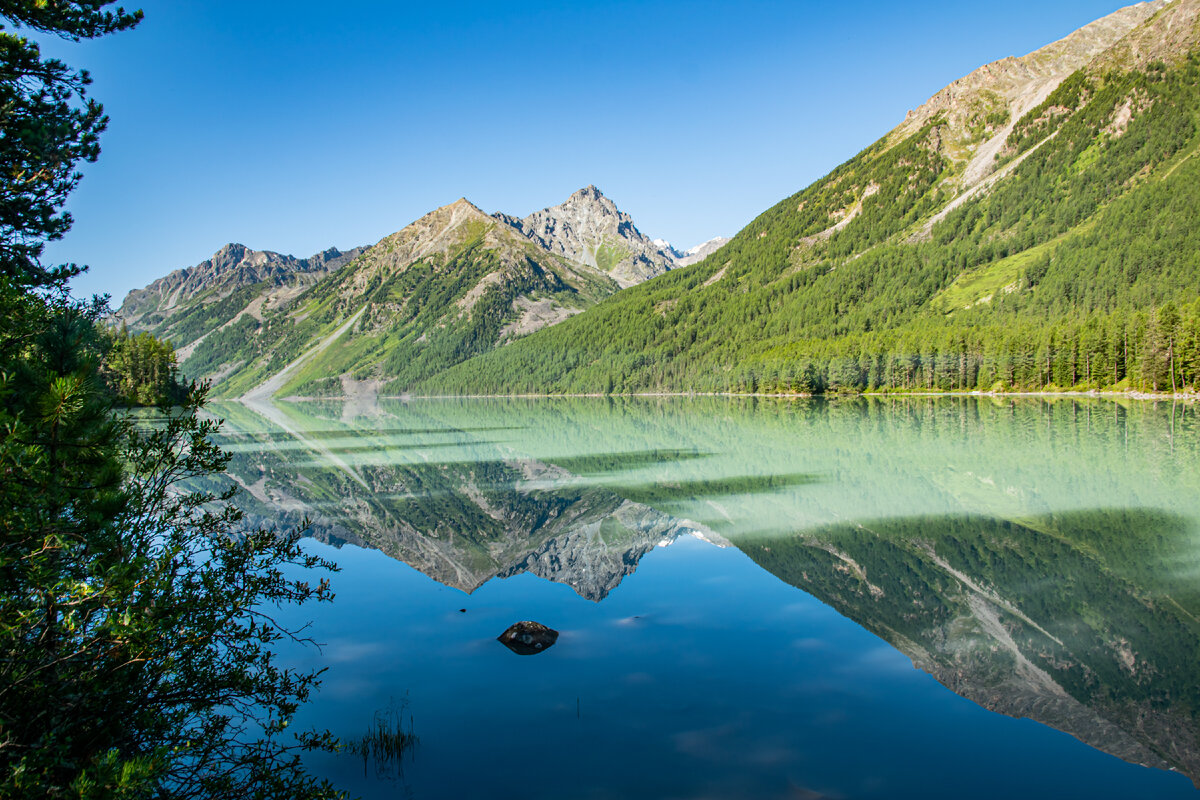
{"x": 528, "y": 638}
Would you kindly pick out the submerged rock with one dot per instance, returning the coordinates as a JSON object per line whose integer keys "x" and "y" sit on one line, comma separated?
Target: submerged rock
{"x": 528, "y": 638}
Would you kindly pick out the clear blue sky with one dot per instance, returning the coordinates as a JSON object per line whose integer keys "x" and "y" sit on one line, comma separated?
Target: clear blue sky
{"x": 297, "y": 126}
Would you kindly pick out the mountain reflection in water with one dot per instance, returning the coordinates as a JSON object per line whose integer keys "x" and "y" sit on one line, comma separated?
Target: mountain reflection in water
{"x": 1081, "y": 621}
{"x": 463, "y": 521}
{"x": 1038, "y": 558}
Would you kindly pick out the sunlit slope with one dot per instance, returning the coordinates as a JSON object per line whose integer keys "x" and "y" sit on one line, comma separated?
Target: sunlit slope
{"x": 451, "y": 285}
{"x": 1034, "y": 224}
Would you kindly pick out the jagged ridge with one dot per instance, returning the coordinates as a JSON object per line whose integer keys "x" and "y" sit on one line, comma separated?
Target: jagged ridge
{"x": 453, "y": 284}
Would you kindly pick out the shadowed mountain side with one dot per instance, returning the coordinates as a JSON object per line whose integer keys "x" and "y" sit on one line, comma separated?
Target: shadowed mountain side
{"x": 1084, "y": 621}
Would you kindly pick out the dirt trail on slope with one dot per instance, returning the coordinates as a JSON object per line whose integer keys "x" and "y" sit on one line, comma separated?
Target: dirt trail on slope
{"x": 258, "y": 400}
{"x": 267, "y": 389}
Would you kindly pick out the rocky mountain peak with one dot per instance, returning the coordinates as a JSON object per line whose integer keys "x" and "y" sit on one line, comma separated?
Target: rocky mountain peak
{"x": 436, "y": 232}
{"x": 462, "y": 205}
{"x": 591, "y": 196}
{"x": 231, "y": 266}
{"x": 234, "y": 251}
{"x": 588, "y": 228}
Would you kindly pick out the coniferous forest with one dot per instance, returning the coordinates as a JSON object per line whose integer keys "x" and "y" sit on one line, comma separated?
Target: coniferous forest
{"x": 1080, "y": 270}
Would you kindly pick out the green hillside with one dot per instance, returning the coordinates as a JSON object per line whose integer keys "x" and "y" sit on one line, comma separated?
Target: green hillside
{"x": 1078, "y": 266}
{"x": 449, "y": 287}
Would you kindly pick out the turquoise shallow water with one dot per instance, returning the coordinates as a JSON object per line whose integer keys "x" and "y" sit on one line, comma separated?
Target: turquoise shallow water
{"x": 916, "y": 598}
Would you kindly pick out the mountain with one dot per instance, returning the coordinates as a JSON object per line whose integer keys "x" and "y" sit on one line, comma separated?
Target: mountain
{"x": 191, "y": 302}
{"x": 1033, "y": 225}
{"x": 701, "y": 251}
{"x": 685, "y": 258}
{"x": 454, "y": 284}
{"x": 589, "y": 229}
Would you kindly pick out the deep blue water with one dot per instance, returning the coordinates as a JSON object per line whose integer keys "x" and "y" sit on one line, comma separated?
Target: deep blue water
{"x": 703, "y": 674}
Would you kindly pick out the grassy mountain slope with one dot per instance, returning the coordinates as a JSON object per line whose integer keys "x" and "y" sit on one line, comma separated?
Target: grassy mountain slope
{"x": 449, "y": 286}
{"x": 1032, "y": 225}
{"x": 188, "y": 304}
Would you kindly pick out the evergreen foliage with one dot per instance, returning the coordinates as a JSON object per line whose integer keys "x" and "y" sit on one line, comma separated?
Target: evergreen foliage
{"x": 137, "y": 654}
{"x": 49, "y": 125}
{"x": 140, "y": 370}
{"x": 1079, "y": 270}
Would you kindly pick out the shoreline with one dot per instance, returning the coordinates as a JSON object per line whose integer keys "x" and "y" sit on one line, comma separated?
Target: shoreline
{"x": 1188, "y": 397}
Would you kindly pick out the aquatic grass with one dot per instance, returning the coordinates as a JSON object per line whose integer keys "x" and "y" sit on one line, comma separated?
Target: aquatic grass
{"x": 386, "y": 740}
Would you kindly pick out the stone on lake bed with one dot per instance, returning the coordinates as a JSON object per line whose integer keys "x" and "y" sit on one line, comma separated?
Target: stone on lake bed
{"x": 527, "y": 638}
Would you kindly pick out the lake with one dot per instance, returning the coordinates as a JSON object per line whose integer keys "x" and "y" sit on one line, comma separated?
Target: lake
{"x": 756, "y": 598}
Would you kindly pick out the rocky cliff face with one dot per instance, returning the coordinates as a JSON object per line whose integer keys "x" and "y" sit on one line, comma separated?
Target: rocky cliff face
{"x": 1167, "y": 36}
{"x": 589, "y": 229}
{"x": 231, "y": 267}
{"x": 981, "y": 109}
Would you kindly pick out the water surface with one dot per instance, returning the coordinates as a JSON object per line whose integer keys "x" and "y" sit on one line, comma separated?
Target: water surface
{"x": 933, "y": 598}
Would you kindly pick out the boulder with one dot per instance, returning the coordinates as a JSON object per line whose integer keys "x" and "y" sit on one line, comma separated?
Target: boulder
{"x": 528, "y": 638}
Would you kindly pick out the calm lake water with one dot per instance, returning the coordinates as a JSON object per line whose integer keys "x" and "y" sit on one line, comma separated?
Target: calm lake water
{"x": 921, "y": 598}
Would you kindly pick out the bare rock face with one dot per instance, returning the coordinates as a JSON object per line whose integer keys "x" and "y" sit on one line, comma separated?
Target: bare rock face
{"x": 528, "y": 638}
{"x": 231, "y": 267}
{"x": 589, "y": 229}
{"x": 980, "y": 109}
{"x": 1168, "y": 36}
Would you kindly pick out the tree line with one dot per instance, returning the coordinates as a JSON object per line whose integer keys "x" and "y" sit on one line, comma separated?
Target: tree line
{"x": 139, "y": 369}
{"x": 1085, "y": 264}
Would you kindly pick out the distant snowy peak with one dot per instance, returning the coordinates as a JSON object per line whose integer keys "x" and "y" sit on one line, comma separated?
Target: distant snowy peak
{"x": 685, "y": 258}
{"x": 704, "y": 250}
{"x": 668, "y": 248}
